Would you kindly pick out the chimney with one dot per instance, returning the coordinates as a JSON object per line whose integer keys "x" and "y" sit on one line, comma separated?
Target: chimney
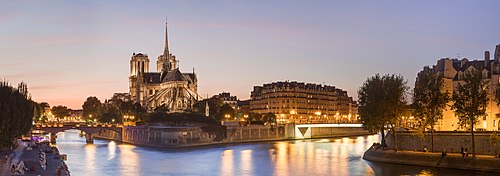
{"x": 497, "y": 53}
{"x": 486, "y": 59}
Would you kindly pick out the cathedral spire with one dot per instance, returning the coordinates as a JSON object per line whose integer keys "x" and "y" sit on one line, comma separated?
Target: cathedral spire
{"x": 166, "y": 53}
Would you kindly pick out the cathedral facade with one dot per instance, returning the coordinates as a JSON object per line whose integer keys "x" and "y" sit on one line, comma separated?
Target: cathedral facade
{"x": 168, "y": 87}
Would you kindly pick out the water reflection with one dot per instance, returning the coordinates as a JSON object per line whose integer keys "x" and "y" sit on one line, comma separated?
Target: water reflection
{"x": 227, "y": 163}
{"x": 340, "y": 156}
{"x": 246, "y": 162}
{"x": 129, "y": 161}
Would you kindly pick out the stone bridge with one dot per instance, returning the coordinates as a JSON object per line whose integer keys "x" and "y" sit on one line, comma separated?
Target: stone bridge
{"x": 89, "y": 129}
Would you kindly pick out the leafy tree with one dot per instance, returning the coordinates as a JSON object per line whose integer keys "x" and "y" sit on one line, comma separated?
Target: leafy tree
{"x": 429, "y": 100}
{"x": 269, "y": 118}
{"x": 382, "y": 102}
{"x": 255, "y": 118}
{"x": 214, "y": 105}
{"x": 120, "y": 105}
{"x": 60, "y": 111}
{"x": 223, "y": 111}
{"x": 470, "y": 100}
{"x": 92, "y": 106}
{"x": 16, "y": 113}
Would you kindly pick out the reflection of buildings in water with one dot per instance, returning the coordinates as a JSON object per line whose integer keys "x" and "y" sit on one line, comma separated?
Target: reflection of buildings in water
{"x": 90, "y": 158}
{"x": 246, "y": 162}
{"x": 111, "y": 150}
{"x": 129, "y": 160}
{"x": 227, "y": 163}
{"x": 282, "y": 157}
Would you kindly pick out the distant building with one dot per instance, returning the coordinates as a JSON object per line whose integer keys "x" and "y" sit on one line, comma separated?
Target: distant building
{"x": 74, "y": 115}
{"x": 296, "y": 102}
{"x": 453, "y": 70}
{"x": 167, "y": 87}
{"x": 228, "y": 99}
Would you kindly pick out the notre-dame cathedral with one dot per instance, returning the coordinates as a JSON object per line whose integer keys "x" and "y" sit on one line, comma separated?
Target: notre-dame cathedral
{"x": 167, "y": 87}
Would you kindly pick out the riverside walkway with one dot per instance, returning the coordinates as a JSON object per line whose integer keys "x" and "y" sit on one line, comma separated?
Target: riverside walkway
{"x": 30, "y": 157}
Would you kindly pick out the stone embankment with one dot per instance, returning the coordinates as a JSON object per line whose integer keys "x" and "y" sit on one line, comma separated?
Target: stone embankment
{"x": 450, "y": 160}
{"x": 186, "y": 136}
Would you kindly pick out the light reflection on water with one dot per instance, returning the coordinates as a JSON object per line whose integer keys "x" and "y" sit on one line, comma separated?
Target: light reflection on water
{"x": 341, "y": 156}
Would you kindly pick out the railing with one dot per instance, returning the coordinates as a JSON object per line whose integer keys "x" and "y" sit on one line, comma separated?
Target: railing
{"x": 77, "y": 125}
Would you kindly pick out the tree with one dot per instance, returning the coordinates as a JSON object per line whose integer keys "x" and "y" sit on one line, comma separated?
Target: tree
{"x": 60, "y": 111}
{"x": 255, "y": 118}
{"x": 381, "y": 103}
{"x": 92, "y": 107}
{"x": 16, "y": 113}
{"x": 214, "y": 104}
{"x": 270, "y": 118}
{"x": 225, "y": 110}
{"x": 120, "y": 105}
{"x": 429, "y": 100}
{"x": 470, "y": 100}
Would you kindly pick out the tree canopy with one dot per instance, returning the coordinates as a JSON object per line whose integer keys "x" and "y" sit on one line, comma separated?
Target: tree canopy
{"x": 92, "y": 107}
{"x": 429, "y": 100}
{"x": 60, "y": 111}
{"x": 382, "y": 101}
{"x": 16, "y": 112}
{"x": 470, "y": 100}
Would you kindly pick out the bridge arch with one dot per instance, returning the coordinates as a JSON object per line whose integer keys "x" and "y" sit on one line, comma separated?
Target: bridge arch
{"x": 88, "y": 129}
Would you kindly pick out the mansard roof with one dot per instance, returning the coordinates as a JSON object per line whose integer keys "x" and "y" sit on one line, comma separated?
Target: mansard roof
{"x": 477, "y": 64}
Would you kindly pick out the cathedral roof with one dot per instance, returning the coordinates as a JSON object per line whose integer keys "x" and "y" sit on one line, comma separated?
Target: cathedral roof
{"x": 191, "y": 77}
{"x": 151, "y": 77}
{"x": 174, "y": 75}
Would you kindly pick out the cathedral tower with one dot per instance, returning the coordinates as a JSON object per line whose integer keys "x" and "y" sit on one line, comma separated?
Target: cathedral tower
{"x": 139, "y": 64}
{"x": 166, "y": 61}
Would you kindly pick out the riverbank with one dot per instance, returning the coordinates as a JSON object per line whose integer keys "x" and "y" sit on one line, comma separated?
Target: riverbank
{"x": 483, "y": 163}
{"x": 34, "y": 159}
{"x": 233, "y": 142}
{"x": 191, "y": 136}
{"x": 178, "y": 137}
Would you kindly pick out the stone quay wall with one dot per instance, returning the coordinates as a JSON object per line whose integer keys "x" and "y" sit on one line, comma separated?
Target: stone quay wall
{"x": 451, "y": 161}
{"x": 108, "y": 135}
{"x": 337, "y": 131}
{"x": 254, "y": 133}
{"x": 451, "y": 141}
{"x": 170, "y": 136}
{"x": 165, "y": 136}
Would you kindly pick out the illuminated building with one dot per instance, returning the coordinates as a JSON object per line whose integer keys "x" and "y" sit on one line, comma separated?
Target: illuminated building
{"x": 167, "y": 87}
{"x": 296, "y": 102}
{"x": 453, "y": 71}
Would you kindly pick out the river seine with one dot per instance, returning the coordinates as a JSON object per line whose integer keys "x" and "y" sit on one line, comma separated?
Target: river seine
{"x": 334, "y": 156}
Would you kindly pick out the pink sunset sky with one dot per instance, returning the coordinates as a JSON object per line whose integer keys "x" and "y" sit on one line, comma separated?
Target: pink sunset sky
{"x": 67, "y": 51}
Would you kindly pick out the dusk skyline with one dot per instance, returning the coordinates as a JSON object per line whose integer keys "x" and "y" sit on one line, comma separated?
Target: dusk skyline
{"x": 67, "y": 51}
